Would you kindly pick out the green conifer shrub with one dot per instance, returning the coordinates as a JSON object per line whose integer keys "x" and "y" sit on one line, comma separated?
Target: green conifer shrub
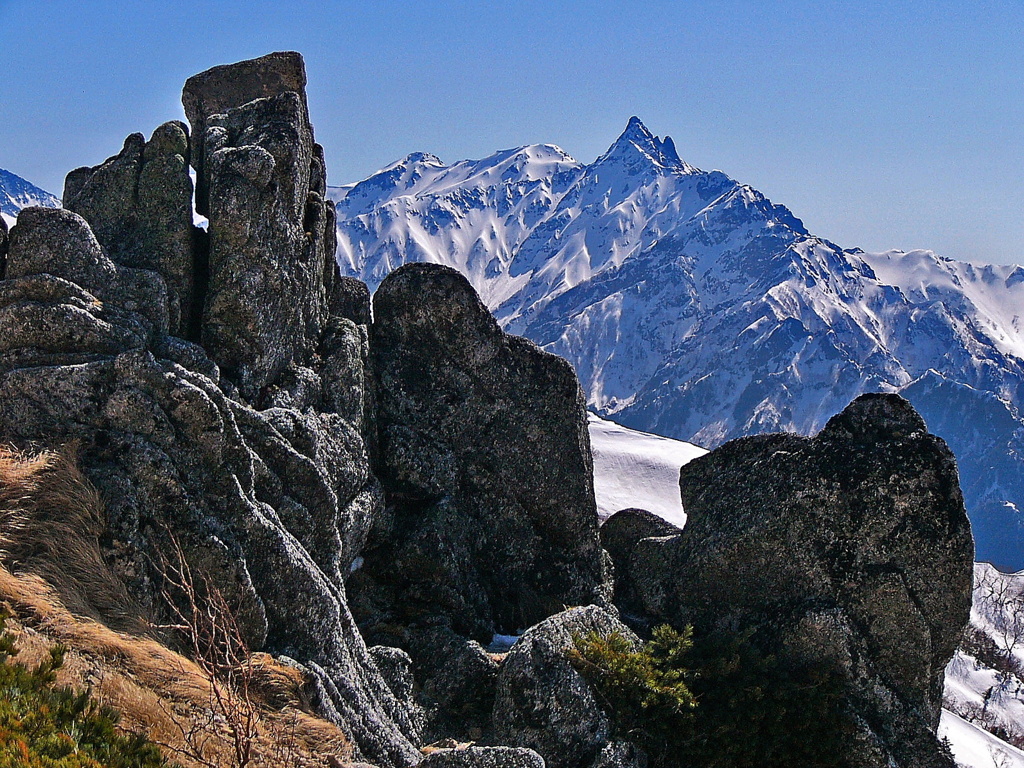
{"x": 643, "y": 689}
{"x": 716, "y": 702}
{"x": 43, "y": 725}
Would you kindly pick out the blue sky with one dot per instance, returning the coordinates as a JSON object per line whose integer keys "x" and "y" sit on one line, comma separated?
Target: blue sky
{"x": 879, "y": 126}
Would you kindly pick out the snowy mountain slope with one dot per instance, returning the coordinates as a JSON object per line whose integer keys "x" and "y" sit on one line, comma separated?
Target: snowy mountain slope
{"x": 636, "y": 469}
{"x": 985, "y": 680}
{"x": 973, "y": 747}
{"x": 16, "y": 193}
{"x": 692, "y": 306}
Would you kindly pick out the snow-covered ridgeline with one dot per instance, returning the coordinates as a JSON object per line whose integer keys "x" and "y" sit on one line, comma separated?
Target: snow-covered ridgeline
{"x": 16, "y": 193}
{"x": 692, "y": 306}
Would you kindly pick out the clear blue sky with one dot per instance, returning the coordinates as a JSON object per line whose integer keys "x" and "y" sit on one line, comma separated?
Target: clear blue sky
{"x": 879, "y": 126}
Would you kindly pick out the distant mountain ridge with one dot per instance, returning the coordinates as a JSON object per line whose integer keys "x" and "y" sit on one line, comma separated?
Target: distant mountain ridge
{"x": 693, "y": 307}
{"x": 17, "y": 193}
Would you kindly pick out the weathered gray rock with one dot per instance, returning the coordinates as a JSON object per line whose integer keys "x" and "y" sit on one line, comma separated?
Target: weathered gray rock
{"x": 620, "y": 535}
{"x": 543, "y": 703}
{"x": 483, "y": 757}
{"x": 222, "y": 88}
{"x": 458, "y": 680}
{"x": 485, "y": 457}
{"x": 852, "y": 546}
{"x": 272, "y": 505}
{"x": 271, "y": 233}
{"x": 396, "y": 668}
{"x": 139, "y": 205}
{"x": 57, "y": 242}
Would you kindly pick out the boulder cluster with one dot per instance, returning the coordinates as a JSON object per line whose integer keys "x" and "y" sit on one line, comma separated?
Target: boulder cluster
{"x": 378, "y": 492}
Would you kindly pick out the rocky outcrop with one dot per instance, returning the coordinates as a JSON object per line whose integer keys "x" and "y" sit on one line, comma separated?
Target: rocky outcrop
{"x": 458, "y": 679}
{"x": 620, "y": 534}
{"x": 261, "y": 181}
{"x": 852, "y": 547}
{"x": 484, "y": 757}
{"x": 248, "y": 451}
{"x": 485, "y": 459}
{"x": 233, "y": 402}
{"x": 139, "y": 206}
{"x": 223, "y": 88}
{"x": 543, "y": 703}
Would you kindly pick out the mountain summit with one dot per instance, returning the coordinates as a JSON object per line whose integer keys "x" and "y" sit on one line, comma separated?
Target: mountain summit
{"x": 638, "y": 140}
{"x": 693, "y": 307}
{"x": 16, "y": 193}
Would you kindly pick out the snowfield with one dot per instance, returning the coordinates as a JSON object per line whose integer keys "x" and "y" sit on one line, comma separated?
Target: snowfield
{"x": 974, "y": 748}
{"x": 636, "y": 469}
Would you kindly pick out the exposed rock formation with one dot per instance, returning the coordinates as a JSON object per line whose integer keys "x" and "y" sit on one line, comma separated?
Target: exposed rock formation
{"x": 272, "y": 505}
{"x": 230, "y": 394}
{"x": 619, "y": 536}
{"x": 261, "y": 180}
{"x": 485, "y": 457}
{"x": 222, "y": 88}
{"x": 853, "y": 547}
{"x": 458, "y": 679}
{"x": 543, "y": 703}
{"x": 139, "y": 205}
{"x": 484, "y": 757}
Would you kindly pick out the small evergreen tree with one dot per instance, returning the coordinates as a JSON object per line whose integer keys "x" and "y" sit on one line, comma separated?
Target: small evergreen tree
{"x": 643, "y": 689}
{"x": 716, "y": 703}
{"x": 43, "y": 725}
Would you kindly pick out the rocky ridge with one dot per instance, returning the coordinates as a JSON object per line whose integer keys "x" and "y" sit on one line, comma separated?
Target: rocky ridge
{"x": 415, "y": 477}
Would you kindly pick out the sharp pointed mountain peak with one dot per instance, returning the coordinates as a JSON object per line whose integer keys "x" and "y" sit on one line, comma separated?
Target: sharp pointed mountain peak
{"x": 637, "y": 140}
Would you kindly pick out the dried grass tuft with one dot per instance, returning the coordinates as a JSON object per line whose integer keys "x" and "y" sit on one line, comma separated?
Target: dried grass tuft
{"x": 57, "y": 589}
{"x": 51, "y": 520}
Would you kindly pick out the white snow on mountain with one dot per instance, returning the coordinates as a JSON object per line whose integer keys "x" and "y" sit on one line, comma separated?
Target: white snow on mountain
{"x": 636, "y": 469}
{"x": 16, "y": 193}
{"x": 691, "y": 306}
{"x": 973, "y": 747}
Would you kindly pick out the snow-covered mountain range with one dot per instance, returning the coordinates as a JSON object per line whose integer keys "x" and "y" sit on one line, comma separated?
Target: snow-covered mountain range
{"x": 693, "y": 307}
{"x": 16, "y": 193}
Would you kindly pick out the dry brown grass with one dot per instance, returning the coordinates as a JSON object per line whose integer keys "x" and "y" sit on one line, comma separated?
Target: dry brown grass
{"x": 50, "y": 521}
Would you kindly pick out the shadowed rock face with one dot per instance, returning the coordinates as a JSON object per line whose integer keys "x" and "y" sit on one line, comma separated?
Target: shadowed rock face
{"x": 851, "y": 547}
{"x": 485, "y": 458}
{"x": 620, "y": 534}
{"x": 3, "y": 245}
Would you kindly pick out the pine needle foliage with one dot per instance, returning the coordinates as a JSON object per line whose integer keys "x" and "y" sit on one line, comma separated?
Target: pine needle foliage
{"x": 644, "y": 689}
{"x": 44, "y": 725}
{"x": 716, "y": 703}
